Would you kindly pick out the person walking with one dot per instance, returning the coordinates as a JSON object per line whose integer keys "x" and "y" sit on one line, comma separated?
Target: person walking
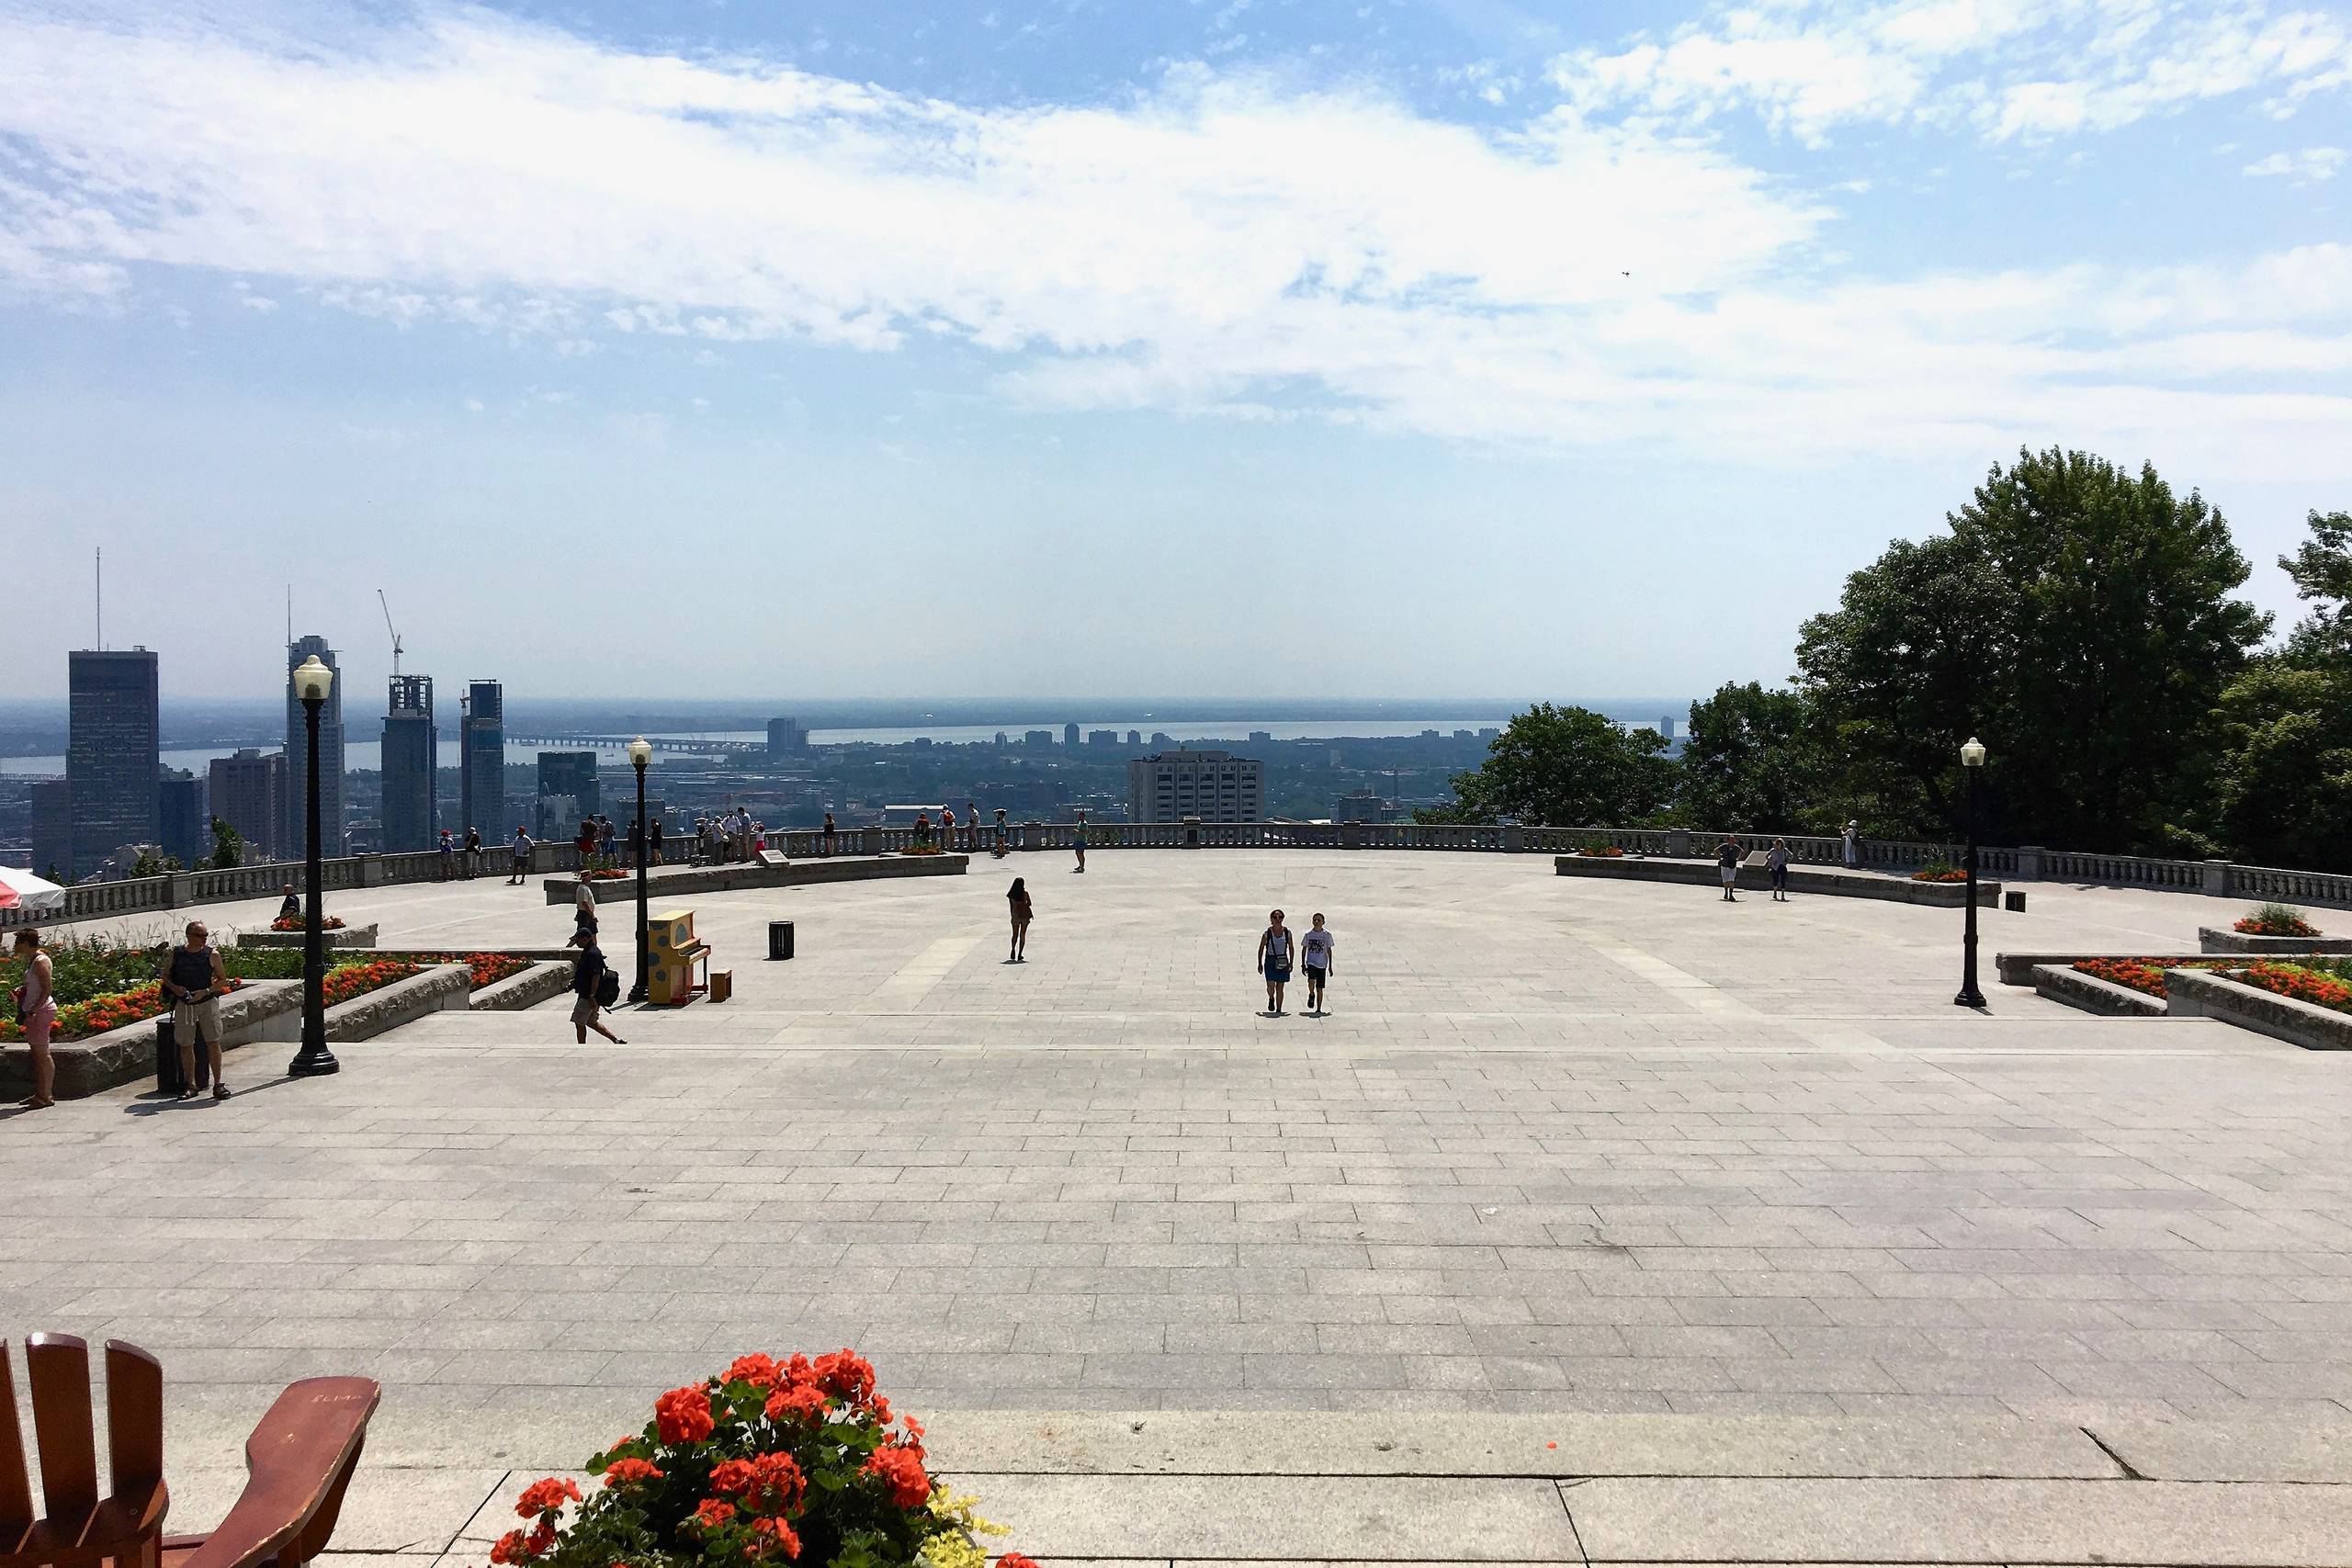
{"x": 588, "y": 969}
{"x": 1080, "y": 835}
{"x": 604, "y": 837}
{"x": 519, "y": 874}
{"x": 583, "y": 909}
{"x": 449, "y": 855}
{"x": 1728, "y": 865}
{"x": 1273, "y": 961}
{"x": 36, "y": 1001}
{"x": 473, "y": 853}
{"x": 194, "y": 978}
{"x": 828, "y": 831}
{"x": 1002, "y": 834}
{"x": 1776, "y": 859}
{"x": 971, "y": 825}
{"x": 1314, "y": 949}
{"x": 1023, "y": 910}
{"x": 947, "y": 829}
{"x": 631, "y": 842}
{"x": 1852, "y": 847}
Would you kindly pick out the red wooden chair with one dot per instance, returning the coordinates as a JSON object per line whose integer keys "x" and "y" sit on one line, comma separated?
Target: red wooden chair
{"x": 299, "y": 1459}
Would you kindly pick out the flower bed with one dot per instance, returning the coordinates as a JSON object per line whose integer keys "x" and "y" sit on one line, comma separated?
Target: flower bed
{"x": 2141, "y": 973}
{"x": 922, "y": 849}
{"x": 296, "y": 923}
{"x": 799, "y": 1461}
{"x": 603, "y": 874}
{"x": 2275, "y": 919}
{"x": 1601, "y": 852}
{"x": 358, "y": 979}
{"x": 2304, "y": 982}
{"x": 1939, "y": 873}
{"x": 101, "y": 988}
{"x": 487, "y": 968}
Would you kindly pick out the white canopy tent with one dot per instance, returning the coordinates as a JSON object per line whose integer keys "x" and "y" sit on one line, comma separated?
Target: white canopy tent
{"x": 30, "y": 895}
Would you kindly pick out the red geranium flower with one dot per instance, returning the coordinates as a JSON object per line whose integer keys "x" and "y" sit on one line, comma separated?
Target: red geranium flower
{"x": 759, "y": 1371}
{"x": 711, "y": 1513}
{"x": 800, "y": 1400}
{"x": 900, "y": 1469}
{"x": 545, "y": 1496}
{"x": 1010, "y": 1560}
{"x": 845, "y": 1374}
{"x": 772, "y": 1535}
{"x": 509, "y": 1548}
{"x": 731, "y": 1475}
{"x": 683, "y": 1415}
{"x": 627, "y": 1471}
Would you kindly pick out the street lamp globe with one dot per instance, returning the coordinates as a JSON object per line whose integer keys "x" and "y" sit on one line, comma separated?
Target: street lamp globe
{"x": 313, "y": 680}
{"x": 1972, "y": 753}
{"x": 640, "y": 751}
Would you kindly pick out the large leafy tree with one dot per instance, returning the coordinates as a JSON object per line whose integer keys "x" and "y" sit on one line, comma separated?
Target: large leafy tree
{"x": 2322, "y": 573}
{"x": 2079, "y": 618}
{"x": 1564, "y": 767}
{"x": 2283, "y": 789}
{"x": 1749, "y": 762}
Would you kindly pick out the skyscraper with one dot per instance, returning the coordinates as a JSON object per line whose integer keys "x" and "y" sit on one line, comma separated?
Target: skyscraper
{"x": 248, "y": 792}
{"x": 412, "y": 758}
{"x": 52, "y": 806}
{"x": 110, "y": 753}
{"x": 785, "y": 738}
{"x": 180, "y": 817}
{"x": 568, "y": 790}
{"x": 294, "y": 837}
{"x": 482, "y": 760}
{"x": 1070, "y": 736}
{"x": 1215, "y": 787}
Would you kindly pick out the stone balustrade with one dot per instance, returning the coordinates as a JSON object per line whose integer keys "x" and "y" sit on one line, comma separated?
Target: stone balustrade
{"x": 2022, "y": 863}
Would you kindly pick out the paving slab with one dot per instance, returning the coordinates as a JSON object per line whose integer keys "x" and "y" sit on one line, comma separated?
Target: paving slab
{"x": 1963, "y": 1522}
{"x": 1380, "y": 1519}
{"x": 2315, "y": 1451}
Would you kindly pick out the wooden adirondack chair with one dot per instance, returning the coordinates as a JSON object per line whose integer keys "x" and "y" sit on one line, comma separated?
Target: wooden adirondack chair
{"x": 299, "y": 1459}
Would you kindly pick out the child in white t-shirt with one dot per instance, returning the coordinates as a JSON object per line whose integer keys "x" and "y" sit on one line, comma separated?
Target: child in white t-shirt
{"x": 1315, "y": 953}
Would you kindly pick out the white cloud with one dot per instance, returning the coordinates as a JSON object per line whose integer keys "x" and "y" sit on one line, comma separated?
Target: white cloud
{"x": 1218, "y": 245}
{"x": 2009, "y": 70}
{"x": 2305, "y": 167}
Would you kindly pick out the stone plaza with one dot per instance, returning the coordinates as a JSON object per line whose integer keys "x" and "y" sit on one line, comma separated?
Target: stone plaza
{"x": 1598, "y": 1222}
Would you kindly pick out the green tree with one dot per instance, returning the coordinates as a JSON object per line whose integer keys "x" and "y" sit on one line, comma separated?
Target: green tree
{"x": 2079, "y": 619}
{"x": 1749, "y": 762}
{"x": 2283, "y": 790}
{"x": 1563, "y": 767}
{"x": 228, "y": 846}
{"x": 2322, "y": 573}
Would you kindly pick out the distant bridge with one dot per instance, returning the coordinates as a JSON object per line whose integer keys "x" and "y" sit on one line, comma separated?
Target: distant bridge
{"x": 621, "y": 742}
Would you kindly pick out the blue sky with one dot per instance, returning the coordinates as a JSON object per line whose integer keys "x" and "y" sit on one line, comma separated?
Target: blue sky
{"x": 1264, "y": 345}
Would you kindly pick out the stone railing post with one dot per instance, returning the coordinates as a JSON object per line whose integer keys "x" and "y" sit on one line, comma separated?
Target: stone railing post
{"x": 1352, "y": 835}
{"x": 1514, "y": 841}
{"x": 1678, "y": 843}
{"x": 2217, "y": 878}
{"x": 2028, "y": 863}
{"x": 178, "y": 888}
{"x": 1192, "y": 833}
{"x": 371, "y": 871}
{"x": 869, "y": 841}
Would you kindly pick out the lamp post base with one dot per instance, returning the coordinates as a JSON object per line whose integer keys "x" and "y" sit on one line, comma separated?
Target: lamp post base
{"x": 1971, "y": 999}
{"x": 306, "y": 1065}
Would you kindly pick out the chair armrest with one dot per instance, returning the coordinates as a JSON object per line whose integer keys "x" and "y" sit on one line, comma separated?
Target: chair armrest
{"x": 299, "y": 1460}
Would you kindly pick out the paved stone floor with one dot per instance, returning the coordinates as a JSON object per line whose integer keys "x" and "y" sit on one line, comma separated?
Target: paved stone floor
{"x": 1564, "y": 1148}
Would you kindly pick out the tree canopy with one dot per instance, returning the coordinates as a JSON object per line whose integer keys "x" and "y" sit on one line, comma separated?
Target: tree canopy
{"x": 1564, "y": 766}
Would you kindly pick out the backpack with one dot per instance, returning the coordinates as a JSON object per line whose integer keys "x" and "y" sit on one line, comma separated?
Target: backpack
{"x": 608, "y": 988}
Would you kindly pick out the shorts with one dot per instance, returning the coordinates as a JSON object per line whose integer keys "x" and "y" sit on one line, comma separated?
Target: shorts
{"x": 1317, "y": 975}
{"x": 584, "y": 1010}
{"x": 1730, "y": 874}
{"x": 192, "y": 1021}
{"x": 1278, "y": 973}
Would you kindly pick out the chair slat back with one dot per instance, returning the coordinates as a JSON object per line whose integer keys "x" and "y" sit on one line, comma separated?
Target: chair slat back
{"x": 15, "y": 1483}
{"x": 59, "y": 1366}
{"x": 300, "y": 1458}
{"x": 135, "y": 1419}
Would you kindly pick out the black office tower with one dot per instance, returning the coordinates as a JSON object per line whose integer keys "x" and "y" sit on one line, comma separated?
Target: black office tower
{"x": 110, "y": 754}
{"x": 482, "y": 762}
{"x": 412, "y": 756}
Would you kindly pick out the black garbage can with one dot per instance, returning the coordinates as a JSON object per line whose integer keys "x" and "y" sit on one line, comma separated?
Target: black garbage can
{"x": 779, "y": 939}
{"x": 2013, "y": 902}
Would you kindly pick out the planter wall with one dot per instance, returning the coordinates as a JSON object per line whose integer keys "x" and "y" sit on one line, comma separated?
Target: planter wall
{"x": 670, "y": 882}
{"x": 529, "y": 988}
{"x": 350, "y": 936}
{"x": 2313, "y": 1027}
{"x": 1802, "y": 879}
{"x": 2088, "y": 992}
{"x": 443, "y": 986}
{"x": 2214, "y": 940}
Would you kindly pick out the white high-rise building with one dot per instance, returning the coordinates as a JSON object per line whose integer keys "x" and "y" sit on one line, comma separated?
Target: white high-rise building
{"x": 1215, "y": 787}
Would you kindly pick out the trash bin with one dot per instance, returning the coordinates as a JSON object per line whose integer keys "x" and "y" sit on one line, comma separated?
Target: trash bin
{"x": 2013, "y": 902}
{"x": 779, "y": 939}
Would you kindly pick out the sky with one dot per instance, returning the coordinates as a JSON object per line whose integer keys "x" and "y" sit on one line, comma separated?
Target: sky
{"x": 1280, "y": 347}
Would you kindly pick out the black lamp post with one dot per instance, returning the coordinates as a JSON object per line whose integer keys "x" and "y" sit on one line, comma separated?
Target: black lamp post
{"x": 1971, "y": 763}
{"x": 312, "y": 681}
{"x": 640, "y": 753}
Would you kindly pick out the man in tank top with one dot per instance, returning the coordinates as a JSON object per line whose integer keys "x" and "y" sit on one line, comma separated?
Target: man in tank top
{"x": 193, "y": 980}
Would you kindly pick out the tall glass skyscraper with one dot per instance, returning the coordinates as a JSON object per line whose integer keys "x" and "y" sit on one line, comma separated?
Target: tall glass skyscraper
{"x": 412, "y": 755}
{"x": 298, "y": 754}
{"x": 482, "y": 762}
{"x": 112, "y": 721}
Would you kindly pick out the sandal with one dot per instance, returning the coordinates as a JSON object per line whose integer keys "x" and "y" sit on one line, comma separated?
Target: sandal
{"x": 220, "y": 1090}
{"x": 186, "y": 1094}
{"x": 36, "y": 1103}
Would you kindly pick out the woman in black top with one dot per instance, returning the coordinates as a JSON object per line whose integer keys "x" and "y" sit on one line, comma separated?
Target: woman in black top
{"x": 1018, "y": 898}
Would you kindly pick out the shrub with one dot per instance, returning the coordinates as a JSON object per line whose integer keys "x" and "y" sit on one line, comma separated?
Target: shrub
{"x": 2143, "y": 974}
{"x": 799, "y": 1460}
{"x": 296, "y": 923}
{"x": 1939, "y": 871}
{"x": 2277, "y": 920}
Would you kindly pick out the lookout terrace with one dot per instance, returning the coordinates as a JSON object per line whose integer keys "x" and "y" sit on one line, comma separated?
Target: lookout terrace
{"x": 1600, "y": 1221}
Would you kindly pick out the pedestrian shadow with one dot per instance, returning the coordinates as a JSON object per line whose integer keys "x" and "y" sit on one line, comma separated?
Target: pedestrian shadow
{"x": 157, "y": 1101}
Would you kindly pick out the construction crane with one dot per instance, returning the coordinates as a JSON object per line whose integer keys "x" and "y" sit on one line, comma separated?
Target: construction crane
{"x": 387, "y": 603}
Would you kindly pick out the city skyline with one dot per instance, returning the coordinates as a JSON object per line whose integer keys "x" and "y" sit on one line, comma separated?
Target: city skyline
{"x": 1044, "y": 350}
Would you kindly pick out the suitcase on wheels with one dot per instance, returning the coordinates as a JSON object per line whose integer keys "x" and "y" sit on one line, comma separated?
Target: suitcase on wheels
{"x": 167, "y": 1060}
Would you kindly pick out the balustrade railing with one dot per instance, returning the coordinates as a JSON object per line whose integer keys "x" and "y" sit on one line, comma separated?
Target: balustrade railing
{"x": 144, "y": 895}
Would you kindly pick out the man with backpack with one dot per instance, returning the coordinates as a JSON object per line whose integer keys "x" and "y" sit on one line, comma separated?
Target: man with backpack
{"x": 595, "y": 987}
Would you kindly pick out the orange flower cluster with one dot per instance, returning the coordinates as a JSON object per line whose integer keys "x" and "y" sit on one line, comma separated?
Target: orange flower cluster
{"x": 2302, "y": 985}
{"x": 119, "y": 1010}
{"x": 486, "y": 968}
{"x": 2255, "y": 925}
{"x": 296, "y": 923}
{"x": 350, "y": 980}
{"x": 2141, "y": 973}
